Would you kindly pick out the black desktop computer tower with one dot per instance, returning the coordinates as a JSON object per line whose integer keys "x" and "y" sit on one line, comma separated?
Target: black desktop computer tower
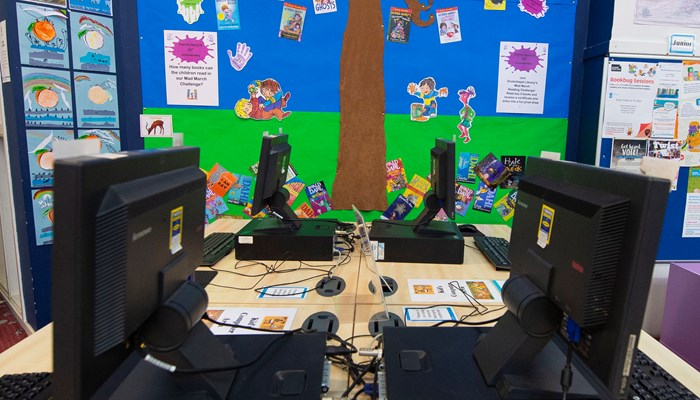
{"x": 439, "y": 242}
{"x": 272, "y": 239}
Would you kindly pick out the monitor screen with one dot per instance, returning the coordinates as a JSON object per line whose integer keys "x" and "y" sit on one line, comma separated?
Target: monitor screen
{"x": 128, "y": 234}
{"x": 583, "y": 249}
{"x": 272, "y": 175}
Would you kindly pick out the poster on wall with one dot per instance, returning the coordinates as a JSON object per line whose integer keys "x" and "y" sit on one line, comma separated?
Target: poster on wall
{"x": 629, "y": 99}
{"x": 47, "y": 98}
{"x": 42, "y": 203}
{"x": 522, "y": 77}
{"x": 627, "y": 154}
{"x": 691, "y": 220}
{"x": 40, "y": 154}
{"x": 103, "y": 7}
{"x": 191, "y": 68}
{"x": 96, "y": 101}
{"x": 667, "y": 12}
{"x": 92, "y": 42}
{"x": 448, "y": 25}
{"x": 43, "y": 36}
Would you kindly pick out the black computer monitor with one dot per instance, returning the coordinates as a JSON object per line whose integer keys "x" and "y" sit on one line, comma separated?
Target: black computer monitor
{"x": 424, "y": 239}
{"x": 281, "y": 235}
{"x": 128, "y": 234}
{"x": 583, "y": 249}
{"x": 271, "y": 178}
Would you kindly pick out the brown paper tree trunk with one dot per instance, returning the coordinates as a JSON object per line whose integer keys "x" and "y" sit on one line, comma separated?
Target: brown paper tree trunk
{"x": 361, "y": 173}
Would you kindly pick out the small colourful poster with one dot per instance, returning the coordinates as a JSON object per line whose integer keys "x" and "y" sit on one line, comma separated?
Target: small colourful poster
{"x": 416, "y": 189}
{"x": 399, "y": 25}
{"x": 627, "y": 154}
{"x": 448, "y": 25}
{"x": 40, "y": 153}
{"x": 395, "y": 175}
{"x": 191, "y": 68}
{"x": 266, "y": 100}
{"x": 103, "y": 7}
{"x": 668, "y": 149}
{"x": 325, "y": 6}
{"x": 294, "y": 186}
{"x": 42, "y": 202}
{"x": 110, "y": 141}
{"x": 292, "y": 23}
{"x": 498, "y": 5}
{"x": 240, "y": 192}
{"x": 215, "y": 206}
{"x": 465, "y": 168}
{"x": 227, "y": 16}
{"x": 92, "y": 41}
{"x": 484, "y": 197}
{"x": 305, "y": 211}
{"x": 506, "y": 205}
{"x": 318, "y": 197}
{"x": 464, "y": 196}
{"x": 515, "y": 166}
{"x": 220, "y": 180}
{"x": 47, "y": 98}
{"x": 96, "y": 100}
{"x": 491, "y": 171}
{"x": 398, "y": 209}
{"x": 43, "y": 36}
{"x": 156, "y": 125}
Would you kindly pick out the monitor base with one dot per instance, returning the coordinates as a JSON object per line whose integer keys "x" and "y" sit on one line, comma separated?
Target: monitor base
{"x": 438, "y": 242}
{"x": 272, "y": 239}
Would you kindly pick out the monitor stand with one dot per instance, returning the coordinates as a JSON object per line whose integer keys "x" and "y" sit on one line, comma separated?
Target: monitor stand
{"x": 427, "y": 362}
{"x": 275, "y": 239}
{"x": 438, "y": 242}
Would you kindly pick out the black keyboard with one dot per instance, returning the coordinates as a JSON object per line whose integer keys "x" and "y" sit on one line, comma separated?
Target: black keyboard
{"x": 33, "y": 385}
{"x": 649, "y": 381}
{"x": 216, "y": 246}
{"x": 495, "y": 249}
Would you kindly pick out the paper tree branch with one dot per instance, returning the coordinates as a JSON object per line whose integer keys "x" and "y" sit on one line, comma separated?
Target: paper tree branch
{"x": 361, "y": 173}
{"x": 416, "y": 7}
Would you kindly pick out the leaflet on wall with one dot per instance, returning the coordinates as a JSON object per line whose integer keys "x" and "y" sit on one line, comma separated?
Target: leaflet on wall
{"x": 665, "y": 113}
{"x": 522, "y": 77}
{"x": 691, "y": 219}
{"x": 191, "y": 68}
{"x": 627, "y": 154}
{"x": 629, "y": 99}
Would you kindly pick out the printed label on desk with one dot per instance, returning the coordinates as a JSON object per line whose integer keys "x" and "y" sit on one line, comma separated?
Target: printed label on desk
{"x": 429, "y": 314}
{"x": 377, "y": 250}
{"x": 245, "y": 240}
{"x": 276, "y": 319}
{"x": 283, "y": 292}
{"x": 454, "y": 290}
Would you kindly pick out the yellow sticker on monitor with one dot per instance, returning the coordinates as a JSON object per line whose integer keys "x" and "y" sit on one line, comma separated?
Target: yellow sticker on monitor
{"x": 176, "y": 230}
{"x": 545, "y": 231}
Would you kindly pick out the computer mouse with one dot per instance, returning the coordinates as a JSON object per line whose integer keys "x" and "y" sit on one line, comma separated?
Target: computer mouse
{"x": 469, "y": 230}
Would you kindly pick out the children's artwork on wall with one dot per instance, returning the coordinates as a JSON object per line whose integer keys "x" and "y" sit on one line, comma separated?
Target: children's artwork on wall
{"x": 426, "y": 91}
{"x": 42, "y": 201}
{"x": 43, "y": 36}
{"x": 96, "y": 101}
{"x": 103, "y": 7}
{"x": 40, "y": 153}
{"x": 498, "y": 5}
{"x": 399, "y": 25}
{"x": 47, "y": 98}
{"x": 417, "y": 7}
{"x": 448, "y": 25}
{"x": 59, "y": 3}
{"x": 242, "y": 56}
{"x": 467, "y": 113}
{"x": 227, "y": 17}
{"x": 266, "y": 100}
{"x": 156, "y": 125}
{"x": 536, "y": 8}
{"x": 292, "y": 23}
{"x": 110, "y": 141}
{"x": 325, "y": 6}
{"x": 92, "y": 41}
{"x": 191, "y": 68}
{"x": 190, "y": 10}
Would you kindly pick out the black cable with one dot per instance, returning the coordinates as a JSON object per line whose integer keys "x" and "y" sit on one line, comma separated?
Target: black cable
{"x": 459, "y": 322}
{"x": 566, "y": 372}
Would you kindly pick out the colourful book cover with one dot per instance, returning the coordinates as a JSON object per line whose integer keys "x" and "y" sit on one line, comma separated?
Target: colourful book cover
{"x": 318, "y": 197}
{"x": 464, "y": 196}
{"x": 399, "y": 25}
{"x": 215, "y": 207}
{"x": 448, "y": 25}
{"x": 515, "y": 166}
{"x": 241, "y": 191}
{"x": 294, "y": 186}
{"x": 465, "y": 168}
{"x": 441, "y": 216}
{"x": 220, "y": 180}
{"x": 498, "y": 5}
{"x": 416, "y": 190}
{"x": 325, "y": 6}
{"x": 395, "y": 175}
{"x": 249, "y": 208}
{"x": 227, "y": 15}
{"x": 305, "y": 211}
{"x": 505, "y": 206}
{"x": 483, "y": 198}
{"x": 399, "y": 209}
{"x": 491, "y": 170}
{"x": 292, "y": 23}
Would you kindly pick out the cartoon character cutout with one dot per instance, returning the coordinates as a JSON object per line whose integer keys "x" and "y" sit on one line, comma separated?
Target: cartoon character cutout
{"x": 467, "y": 113}
{"x": 266, "y": 101}
{"x": 425, "y": 90}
